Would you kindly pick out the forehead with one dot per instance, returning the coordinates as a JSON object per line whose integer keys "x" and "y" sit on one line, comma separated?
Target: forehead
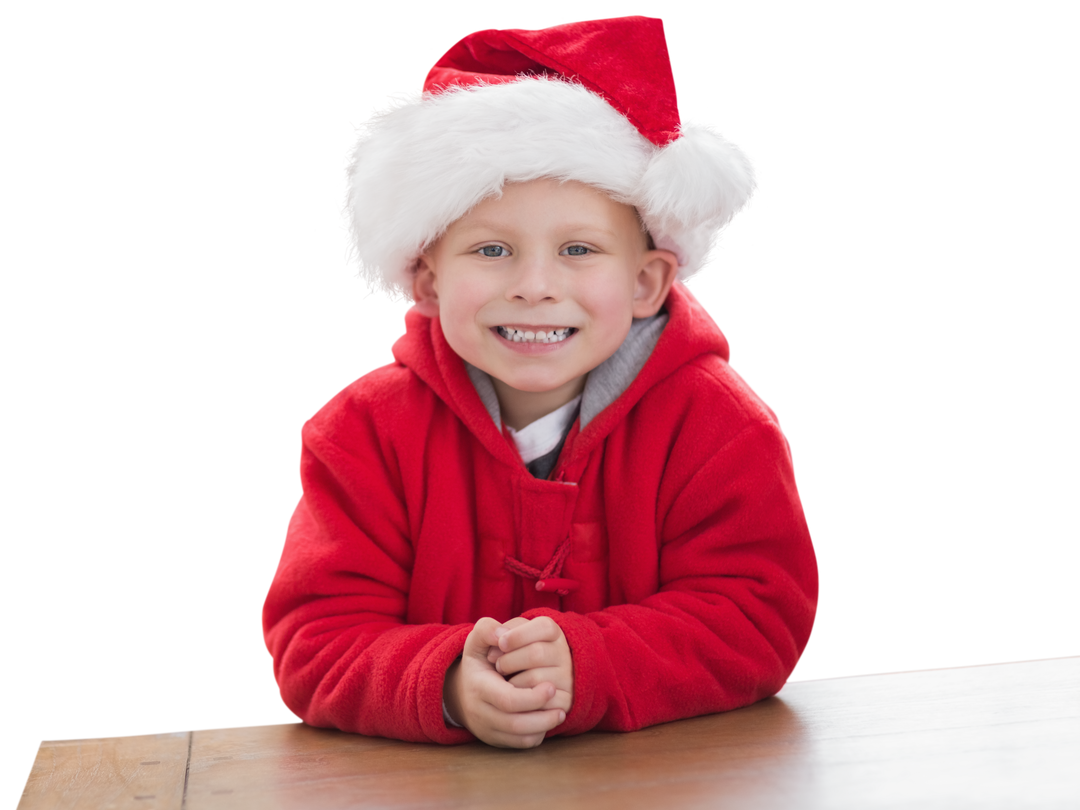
{"x": 576, "y": 225}
{"x": 547, "y": 204}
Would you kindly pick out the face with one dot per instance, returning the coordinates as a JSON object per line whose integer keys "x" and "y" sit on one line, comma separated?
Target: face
{"x": 539, "y": 286}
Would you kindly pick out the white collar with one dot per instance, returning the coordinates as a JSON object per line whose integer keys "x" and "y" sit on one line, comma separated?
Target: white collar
{"x": 539, "y": 438}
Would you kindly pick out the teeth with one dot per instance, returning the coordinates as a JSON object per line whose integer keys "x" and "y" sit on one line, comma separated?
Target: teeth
{"x": 539, "y": 336}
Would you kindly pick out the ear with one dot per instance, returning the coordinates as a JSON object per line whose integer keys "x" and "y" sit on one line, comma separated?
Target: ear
{"x": 655, "y": 277}
{"x": 423, "y": 288}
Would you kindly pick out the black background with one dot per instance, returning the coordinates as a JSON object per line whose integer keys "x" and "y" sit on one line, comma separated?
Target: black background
{"x": 161, "y": 467}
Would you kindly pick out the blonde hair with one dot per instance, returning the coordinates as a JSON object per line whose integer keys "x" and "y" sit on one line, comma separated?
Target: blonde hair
{"x": 650, "y": 245}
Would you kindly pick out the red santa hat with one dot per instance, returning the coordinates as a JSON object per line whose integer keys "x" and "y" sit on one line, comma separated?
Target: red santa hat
{"x": 590, "y": 101}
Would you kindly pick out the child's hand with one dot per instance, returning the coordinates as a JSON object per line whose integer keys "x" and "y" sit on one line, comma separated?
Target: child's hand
{"x": 535, "y": 652}
{"x": 498, "y": 712}
{"x": 494, "y": 653}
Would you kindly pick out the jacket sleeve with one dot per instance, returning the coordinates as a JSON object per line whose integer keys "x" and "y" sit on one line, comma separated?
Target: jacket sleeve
{"x": 343, "y": 655}
{"x": 735, "y": 600}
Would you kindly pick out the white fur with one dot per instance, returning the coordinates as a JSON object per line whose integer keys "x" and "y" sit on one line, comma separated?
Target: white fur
{"x": 425, "y": 163}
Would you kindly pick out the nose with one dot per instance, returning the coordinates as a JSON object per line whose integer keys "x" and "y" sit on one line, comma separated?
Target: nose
{"x": 535, "y": 280}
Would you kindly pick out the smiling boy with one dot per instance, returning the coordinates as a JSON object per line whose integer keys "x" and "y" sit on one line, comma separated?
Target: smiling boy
{"x": 559, "y": 509}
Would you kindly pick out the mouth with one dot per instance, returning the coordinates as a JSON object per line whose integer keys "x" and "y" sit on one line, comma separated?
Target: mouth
{"x": 515, "y": 343}
{"x": 556, "y": 335}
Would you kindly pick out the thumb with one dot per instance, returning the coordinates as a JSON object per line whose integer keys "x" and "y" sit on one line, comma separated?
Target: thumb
{"x": 482, "y": 638}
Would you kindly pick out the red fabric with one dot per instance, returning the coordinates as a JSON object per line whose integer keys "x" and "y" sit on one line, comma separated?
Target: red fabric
{"x": 696, "y": 578}
{"x": 624, "y": 60}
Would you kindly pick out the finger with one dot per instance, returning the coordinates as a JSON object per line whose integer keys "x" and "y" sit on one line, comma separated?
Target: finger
{"x": 536, "y": 676}
{"x": 542, "y": 628}
{"x": 494, "y": 654}
{"x": 525, "y": 728}
{"x": 561, "y": 700}
{"x": 517, "y": 621}
{"x": 482, "y": 637}
{"x": 506, "y": 627}
{"x": 527, "y": 724}
{"x": 522, "y": 730}
{"x": 512, "y": 700}
{"x": 532, "y": 656}
{"x": 497, "y": 626}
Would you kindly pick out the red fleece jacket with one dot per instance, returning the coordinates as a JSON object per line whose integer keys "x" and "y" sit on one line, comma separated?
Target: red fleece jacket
{"x": 696, "y": 578}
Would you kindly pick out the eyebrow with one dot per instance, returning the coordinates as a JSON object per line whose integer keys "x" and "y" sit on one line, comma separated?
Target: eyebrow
{"x": 483, "y": 224}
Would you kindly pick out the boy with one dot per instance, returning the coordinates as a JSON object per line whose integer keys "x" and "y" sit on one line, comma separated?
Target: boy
{"x": 559, "y": 509}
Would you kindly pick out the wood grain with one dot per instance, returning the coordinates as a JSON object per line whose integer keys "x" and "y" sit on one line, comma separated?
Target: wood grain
{"x": 116, "y": 772}
{"x": 997, "y": 736}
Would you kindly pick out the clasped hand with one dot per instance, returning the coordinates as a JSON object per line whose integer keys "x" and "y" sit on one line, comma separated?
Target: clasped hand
{"x": 534, "y": 652}
{"x": 514, "y": 682}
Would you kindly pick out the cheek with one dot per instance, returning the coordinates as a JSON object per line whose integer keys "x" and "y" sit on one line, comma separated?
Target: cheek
{"x": 609, "y": 306}
{"x": 463, "y": 295}
{"x": 460, "y": 304}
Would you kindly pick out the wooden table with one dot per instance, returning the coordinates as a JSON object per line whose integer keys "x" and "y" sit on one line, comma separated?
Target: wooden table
{"x": 1004, "y": 736}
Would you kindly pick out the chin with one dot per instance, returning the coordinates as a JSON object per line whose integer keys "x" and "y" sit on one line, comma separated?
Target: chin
{"x": 533, "y": 387}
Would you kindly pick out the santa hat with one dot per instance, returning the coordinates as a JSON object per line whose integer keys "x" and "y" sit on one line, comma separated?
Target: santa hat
{"x": 590, "y": 101}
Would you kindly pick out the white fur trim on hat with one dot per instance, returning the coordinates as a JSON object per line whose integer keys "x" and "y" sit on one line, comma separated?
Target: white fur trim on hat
{"x": 425, "y": 163}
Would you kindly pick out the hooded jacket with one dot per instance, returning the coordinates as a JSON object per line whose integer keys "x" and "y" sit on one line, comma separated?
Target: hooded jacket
{"x": 680, "y": 565}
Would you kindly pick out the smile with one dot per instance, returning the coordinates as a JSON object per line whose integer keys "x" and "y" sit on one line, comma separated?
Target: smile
{"x": 521, "y": 346}
{"x": 539, "y": 336}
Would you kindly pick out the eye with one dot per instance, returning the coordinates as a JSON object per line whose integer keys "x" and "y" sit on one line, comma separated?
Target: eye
{"x": 494, "y": 251}
{"x": 577, "y": 250}
{"x": 500, "y": 247}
